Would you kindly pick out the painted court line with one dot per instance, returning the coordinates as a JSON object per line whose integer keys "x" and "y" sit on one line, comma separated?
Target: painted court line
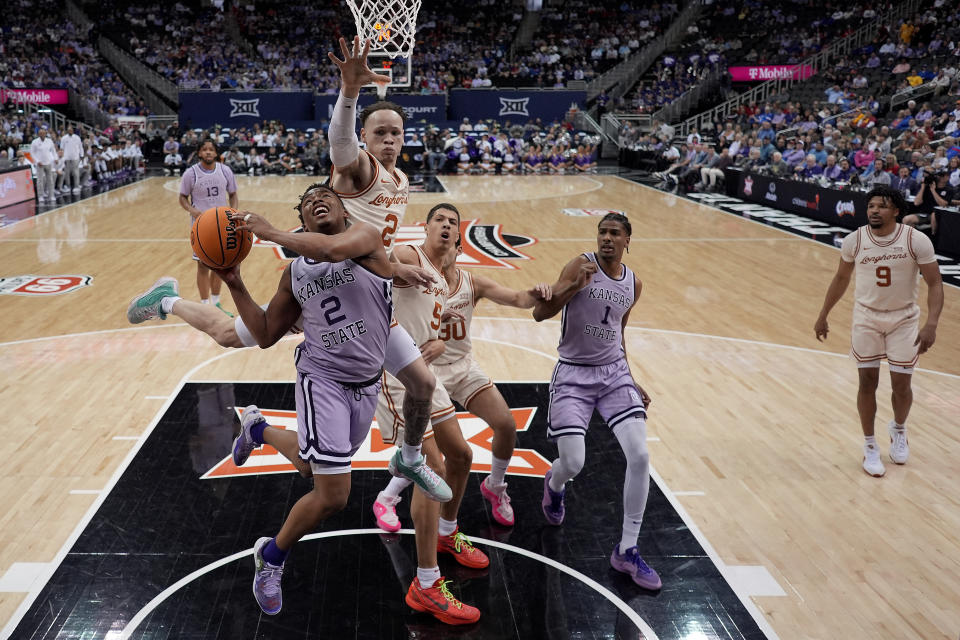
{"x": 48, "y": 570}
{"x": 632, "y": 615}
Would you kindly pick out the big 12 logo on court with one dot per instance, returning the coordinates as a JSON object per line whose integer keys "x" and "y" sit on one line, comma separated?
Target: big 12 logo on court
{"x": 43, "y": 285}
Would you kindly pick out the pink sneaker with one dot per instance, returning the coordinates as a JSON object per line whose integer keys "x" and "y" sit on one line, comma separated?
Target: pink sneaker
{"x": 499, "y": 501}
{"x": 385, "y": 508}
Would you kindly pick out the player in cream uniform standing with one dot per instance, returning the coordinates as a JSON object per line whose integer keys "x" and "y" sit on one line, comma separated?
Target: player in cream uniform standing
{"x": 887, "y": 258}
{"x": 466, "y": 383}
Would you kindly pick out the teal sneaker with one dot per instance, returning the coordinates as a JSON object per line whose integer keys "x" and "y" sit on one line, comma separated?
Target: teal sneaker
{"x": 146, "y": 306}
{"x": 422, "y": 475}
{"x": 224, "y": 310}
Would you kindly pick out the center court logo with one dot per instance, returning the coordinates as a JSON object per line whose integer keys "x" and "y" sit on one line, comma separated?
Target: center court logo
{"x": 484, "y": 245}
{"x": 374, "y": 453}
{"x": 514, "y": 107}
{"x": 244, "y": 108}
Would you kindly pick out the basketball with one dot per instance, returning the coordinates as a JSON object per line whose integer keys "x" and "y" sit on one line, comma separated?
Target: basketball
{"x": 216, "y": 241}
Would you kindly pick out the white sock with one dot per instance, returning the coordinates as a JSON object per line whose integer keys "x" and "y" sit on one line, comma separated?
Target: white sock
{"x": 166, "y": 305}
{"x": 447, "y": 527}
{"x": 396, "y": 486}
{"x": 870, "y": 442}
{"x": 410, "y": 453}
{"x": 630, "y": 534}
{"x": 205, "y": 301}
{"x": 428, "y": 577}
{"x": 899, "y": 427}
{"x": 214, "y": 299}
{"x": 498, "y": 470}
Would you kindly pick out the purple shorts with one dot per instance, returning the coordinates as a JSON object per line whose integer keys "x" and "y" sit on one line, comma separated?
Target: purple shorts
{"x": 576, "y": 390}
{"x": 333, "y": 420}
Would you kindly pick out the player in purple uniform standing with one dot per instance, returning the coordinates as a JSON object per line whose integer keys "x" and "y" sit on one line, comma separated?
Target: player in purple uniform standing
{"x": 346, "y": 301}
{"x": 205, "y": 185}
{"x": 596, "y": 292}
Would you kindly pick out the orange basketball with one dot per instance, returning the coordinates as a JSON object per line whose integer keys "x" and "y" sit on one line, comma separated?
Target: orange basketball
{"x": 216, "y": 240}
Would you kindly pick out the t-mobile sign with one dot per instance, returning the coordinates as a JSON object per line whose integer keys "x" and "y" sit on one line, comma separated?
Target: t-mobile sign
{"x": 36, "y": 96}
{"x": 770, "y": 72}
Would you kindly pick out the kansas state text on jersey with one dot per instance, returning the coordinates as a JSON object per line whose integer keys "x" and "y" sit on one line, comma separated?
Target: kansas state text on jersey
{"x": 591, "y": 325}
{"x": 346, "y": 319}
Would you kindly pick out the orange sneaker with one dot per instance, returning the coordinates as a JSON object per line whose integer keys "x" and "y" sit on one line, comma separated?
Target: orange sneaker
{"x": 461, "y": 548}
{"x": 440, "y": 603}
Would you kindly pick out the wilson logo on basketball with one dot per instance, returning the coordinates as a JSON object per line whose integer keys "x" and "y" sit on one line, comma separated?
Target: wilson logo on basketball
{"x": 43, "y": 285}
{"x": 484, "y": 245}
{"x": 374, "y": 453}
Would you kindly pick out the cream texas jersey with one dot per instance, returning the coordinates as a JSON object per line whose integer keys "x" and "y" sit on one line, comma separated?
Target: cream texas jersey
{"x": 456, "y": 331}
{"x": 381, "y": 203}
{"x": 418, "y": 308}
{"x": 887, "y": 267}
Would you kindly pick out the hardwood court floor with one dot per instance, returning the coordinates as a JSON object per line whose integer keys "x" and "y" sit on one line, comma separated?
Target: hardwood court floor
{"x": 754, "y": 421}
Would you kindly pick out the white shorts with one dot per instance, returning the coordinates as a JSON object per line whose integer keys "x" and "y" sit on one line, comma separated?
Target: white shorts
{"x": 885, "y": 334}
{"x": 463, "y": 379}
{"x": 390, "y": 409}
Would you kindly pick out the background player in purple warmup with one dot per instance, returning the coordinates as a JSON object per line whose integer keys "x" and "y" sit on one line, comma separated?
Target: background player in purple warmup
{"x": 203, "y": 186}
{"x": 596, "y": 292}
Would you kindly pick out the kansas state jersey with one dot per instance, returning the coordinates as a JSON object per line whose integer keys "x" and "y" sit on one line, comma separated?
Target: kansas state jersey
{"x": 208, "y": 189}
{"x": 590, "y": 327}
{"x": 346, "y": 319}
{"x": 381, "y": 203}
{"x": 456, "y": 331}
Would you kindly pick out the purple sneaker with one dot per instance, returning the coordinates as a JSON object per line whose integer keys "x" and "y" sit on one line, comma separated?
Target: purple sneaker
{"x": 244, "y": 445}
{"x": 552, "y": 503}
{"x": 266, "y": 581}
{"x": 631, "y": 563}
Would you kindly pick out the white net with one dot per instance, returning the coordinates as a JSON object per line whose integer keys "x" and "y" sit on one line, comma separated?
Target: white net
{"x": 391, "y": 25}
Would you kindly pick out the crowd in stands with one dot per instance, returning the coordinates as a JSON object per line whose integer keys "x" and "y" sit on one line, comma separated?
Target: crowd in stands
{"x": 472, "y": 148}
{"x": 64, "y": 161}
{"x": 744, "y": 32}
{"x": 41, "y": 47}
{"x": 277, "y": 45}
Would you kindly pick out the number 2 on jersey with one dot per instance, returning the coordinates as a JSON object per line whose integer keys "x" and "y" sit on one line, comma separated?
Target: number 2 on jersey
{"x": 883, "y": 276}
{"x": 392, "y": 221}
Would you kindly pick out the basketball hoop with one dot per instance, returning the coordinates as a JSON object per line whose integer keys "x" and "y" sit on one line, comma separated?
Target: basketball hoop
{"x": 390, "y": 25}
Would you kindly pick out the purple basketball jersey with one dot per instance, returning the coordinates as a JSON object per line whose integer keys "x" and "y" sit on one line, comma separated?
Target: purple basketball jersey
{"x": 590, "y": 327}
{"x": 208, "y": 189}
{"x": 346, "y": 319}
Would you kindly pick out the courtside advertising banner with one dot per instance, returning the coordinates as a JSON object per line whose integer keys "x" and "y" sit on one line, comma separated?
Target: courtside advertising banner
{"x": 515, "y": 106}
{"x": 36, "y": 96}
{"x": 202, "y": 109}
{"x": 840, "y": 207}
{"x": 433, "y": 109}
{"x": 16, "y": 186}
{"x": 762, "y": 73}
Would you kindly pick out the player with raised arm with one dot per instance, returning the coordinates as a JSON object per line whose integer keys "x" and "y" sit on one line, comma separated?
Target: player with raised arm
{"x": 345, "y": 300}
{"x": 467, "y": 384}
{"x": 596, "y": 293}
{"x": 886, "y": 257}
{"x": 374, "y": 191}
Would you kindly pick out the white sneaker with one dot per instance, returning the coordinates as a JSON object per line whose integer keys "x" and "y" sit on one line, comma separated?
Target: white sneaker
{"x": 899, "y": 449}
{"x": 872, "y": 463}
